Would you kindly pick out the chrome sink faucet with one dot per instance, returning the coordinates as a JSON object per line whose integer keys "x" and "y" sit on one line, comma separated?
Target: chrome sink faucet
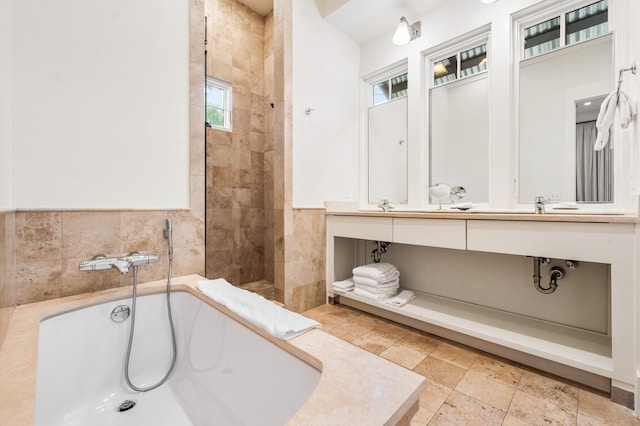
{"x": 540, "y": 201}
{"x": 385, "y": 205}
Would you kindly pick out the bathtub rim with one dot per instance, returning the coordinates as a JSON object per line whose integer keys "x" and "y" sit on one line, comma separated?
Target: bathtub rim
{"x": 341, "y": 381}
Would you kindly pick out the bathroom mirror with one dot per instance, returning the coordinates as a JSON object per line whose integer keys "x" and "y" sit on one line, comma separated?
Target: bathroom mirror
{"x": 555, "y": 150}
{"x": 387, "y": 146}
{"x": 459, "y": 146}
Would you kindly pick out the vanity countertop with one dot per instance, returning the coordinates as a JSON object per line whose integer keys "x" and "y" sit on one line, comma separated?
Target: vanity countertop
{"x": 485, "y": 215}
{"x": 356, "y": 387}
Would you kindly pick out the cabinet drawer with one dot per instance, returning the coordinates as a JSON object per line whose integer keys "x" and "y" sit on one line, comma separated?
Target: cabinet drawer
{"x": 365, "y": 228}
{"x": 592, "y": 242}
{"x": 431, "y": 232}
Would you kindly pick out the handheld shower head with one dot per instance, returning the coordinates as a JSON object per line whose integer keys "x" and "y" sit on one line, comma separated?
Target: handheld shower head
{"x": 168, "y": 234}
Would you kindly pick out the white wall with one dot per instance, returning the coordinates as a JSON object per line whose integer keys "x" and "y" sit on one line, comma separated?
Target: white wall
{"x": 5, "y": 105}
{"x": 100, "y": 104}
{"x": 325, "y": 78}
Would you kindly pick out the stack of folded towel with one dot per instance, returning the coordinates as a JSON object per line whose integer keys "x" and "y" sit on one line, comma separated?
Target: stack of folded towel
{"x": 376, "y": 281}
{"x": 346, "y": 285}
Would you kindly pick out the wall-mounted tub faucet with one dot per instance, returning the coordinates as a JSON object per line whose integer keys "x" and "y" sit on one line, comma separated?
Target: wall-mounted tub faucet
{"x": 122, "y": 263}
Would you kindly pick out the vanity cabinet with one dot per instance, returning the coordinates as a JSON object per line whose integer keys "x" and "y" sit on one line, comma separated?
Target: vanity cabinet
{"x": 600, "y": 358}
{"x": 430, "y": 232}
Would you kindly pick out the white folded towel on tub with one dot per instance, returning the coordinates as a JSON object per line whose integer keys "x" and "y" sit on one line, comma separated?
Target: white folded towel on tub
{"x": 277, "y": 321}
{"x": 402, "y": 299}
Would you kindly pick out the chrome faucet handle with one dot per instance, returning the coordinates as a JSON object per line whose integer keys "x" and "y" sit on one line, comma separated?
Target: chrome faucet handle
{"x": 540, "y": 201}
{"x": 385, "y": 205}
{"x": 136, "y": 258}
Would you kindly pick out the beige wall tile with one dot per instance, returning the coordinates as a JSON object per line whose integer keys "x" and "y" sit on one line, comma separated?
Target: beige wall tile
{"x": 38, "y": 280}
{"x": 38, "y": 236}
{"x": 7, "y": 269}
{"x": 85, "y": 234}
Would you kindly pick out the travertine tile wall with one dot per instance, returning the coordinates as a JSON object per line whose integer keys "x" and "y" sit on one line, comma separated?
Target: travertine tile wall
{"x": 299, "y": 234}
{"x": 268, "y": 147}
{"x": 7, "y": 270}
{"x": 235, "y": 228}
{"x": 282, "y": 138}
{"x": 305, "y": 260}
{"x": 49, "y": 244}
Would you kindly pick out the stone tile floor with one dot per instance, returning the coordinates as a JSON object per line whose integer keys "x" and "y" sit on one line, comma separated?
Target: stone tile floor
{"x": 466, "y": 386}
{"x": 469, "y": 387}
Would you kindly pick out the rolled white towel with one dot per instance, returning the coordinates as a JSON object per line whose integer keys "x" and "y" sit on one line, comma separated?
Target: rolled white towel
{"x": 359, "y": 279}
{"x": 378, "y": 271}
{"x": 274, "y": 319}
{"x": 369, "y": 295}
{"x": 402, "y": 299}
{"x": 345, "y": 285}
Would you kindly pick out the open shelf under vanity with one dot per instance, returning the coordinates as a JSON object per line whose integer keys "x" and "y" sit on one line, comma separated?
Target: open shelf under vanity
{"x": 584, "y": 350}
{"x": 473, "y": 283}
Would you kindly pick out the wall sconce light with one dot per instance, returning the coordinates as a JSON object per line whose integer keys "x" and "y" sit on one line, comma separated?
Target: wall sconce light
{"x": 405, "y": 32}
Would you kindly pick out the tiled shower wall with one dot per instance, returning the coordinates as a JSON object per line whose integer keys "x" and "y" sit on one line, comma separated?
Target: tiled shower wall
{"x": 7, "y": 270}
{"x": 239, "y": 229}
{"x": 49, "y": 244}
{"x": 235, "y": 160}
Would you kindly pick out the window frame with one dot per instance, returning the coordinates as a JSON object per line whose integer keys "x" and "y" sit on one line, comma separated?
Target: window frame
{"x": 227, "y": 102}
{"x": 388, "y": 78}
{"x": 456, "y": 50}
{"x": 557, "y": 11}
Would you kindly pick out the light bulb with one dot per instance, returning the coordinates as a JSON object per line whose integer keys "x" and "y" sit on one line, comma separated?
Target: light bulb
{"x": 402, "y": 35}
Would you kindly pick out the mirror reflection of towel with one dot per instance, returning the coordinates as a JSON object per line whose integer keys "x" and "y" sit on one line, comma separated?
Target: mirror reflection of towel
{"x": 606, "y": 116}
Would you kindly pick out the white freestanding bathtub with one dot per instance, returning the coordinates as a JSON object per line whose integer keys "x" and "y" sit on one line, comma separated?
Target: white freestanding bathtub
{"x": 225, "y": 374}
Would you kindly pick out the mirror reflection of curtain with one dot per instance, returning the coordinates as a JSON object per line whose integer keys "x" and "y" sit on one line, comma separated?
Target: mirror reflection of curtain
{"x": 594, "y": 169}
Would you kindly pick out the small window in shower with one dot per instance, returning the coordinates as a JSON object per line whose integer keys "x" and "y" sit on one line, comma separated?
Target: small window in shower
{"x": 218, "y": 103}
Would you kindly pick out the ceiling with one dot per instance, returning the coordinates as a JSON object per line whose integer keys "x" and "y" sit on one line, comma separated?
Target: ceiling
{"x": 261, "y": 6}
{"x": 361, "y": 20}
